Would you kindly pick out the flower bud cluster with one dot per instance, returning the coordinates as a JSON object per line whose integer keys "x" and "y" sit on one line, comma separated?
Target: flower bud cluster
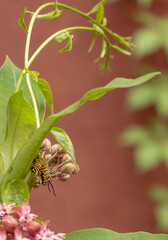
{"x": 17, "y": 222}
{"x": 60, "y": 164}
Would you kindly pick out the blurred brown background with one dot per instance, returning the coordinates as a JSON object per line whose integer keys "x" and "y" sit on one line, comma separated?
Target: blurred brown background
{"x": 108, "y": 191}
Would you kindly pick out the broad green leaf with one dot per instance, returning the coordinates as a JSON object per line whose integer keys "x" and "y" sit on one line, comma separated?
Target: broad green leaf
{"x": 62, "y": 37}
{"x": 21, "y": 123}
{"x": 64, "y": 141}
{"x": 45, "y": 89}
{"x": 68, "y": 46}
{"x": 100, "y": 13}
{"x": 105, "y": 234}
{"x": 22, "y": 22}
{"x": 25, "y": 156}
{"x": 94, "y": 38}
{"x": 15, "y": 191}
{"x": 9, "y": 75}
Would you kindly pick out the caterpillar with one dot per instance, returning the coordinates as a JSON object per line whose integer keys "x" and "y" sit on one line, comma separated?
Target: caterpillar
{"x": 42, "y": 165}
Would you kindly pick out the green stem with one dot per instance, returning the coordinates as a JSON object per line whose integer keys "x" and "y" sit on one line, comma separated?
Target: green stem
{"x": 26, "y": 61}
{"x": 114, "y": 35}
{"x": 48, "y": 40}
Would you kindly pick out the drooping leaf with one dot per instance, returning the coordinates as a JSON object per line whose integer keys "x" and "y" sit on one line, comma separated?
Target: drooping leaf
{"x": 103, "y": 49}
{"x": 68, "y": 46}
{"x": 21, "y": 123}
{"x": 53, "y": 15}
{"x": 94, "y": 38}
{"x": 22, "y": 22}
{"x": 97, "y": 6}
{"x": 105, "y": 234}
{"x": 15, "y": 191}
{"x": 9, "y": 75}
{"x": 19, "y": 167}
{"x": 64, "y": 141}
{"x": 45, "y": 89}
{"x": 100, "y": 13}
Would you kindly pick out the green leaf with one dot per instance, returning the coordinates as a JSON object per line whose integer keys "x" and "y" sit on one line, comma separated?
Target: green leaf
{"x": 105, "y": 234}
{"x": 62, "y": 37}
{"x": 9, "y": 75}
{"x": 33, "y": 74}
{"x": 100, "y": 13}
{"x": 103, "y": 49}
{"x": 97, "y": 6}
{"x": 15, "y": 191}
{"x": 69, "y": 45}
{"x": 135, "y": 135}
{"x": 21, "y": 123}
{"x": 53, "y": 15}
{"x": 94, "y": 38}
{"x": 45, "y": 89}
{"x": 25, "y": 156}
{"x": 64, "y": 141}
{"x": 148, "y": 156}
{"x": 147, "y": 41}
{"x": 22, "y": 22}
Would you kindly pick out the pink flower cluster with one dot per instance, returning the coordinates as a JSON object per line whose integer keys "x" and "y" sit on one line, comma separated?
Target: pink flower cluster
{"x": 18, "y": 223}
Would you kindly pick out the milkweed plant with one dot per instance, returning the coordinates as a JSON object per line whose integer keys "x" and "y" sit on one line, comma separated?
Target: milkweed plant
{"x": 27, "y": 157}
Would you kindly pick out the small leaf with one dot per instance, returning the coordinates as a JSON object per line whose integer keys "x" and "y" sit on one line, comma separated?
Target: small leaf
{"x": 15, "y": 191}
{"x": 45, "y": 89}
{"x": 62, "y": 37}
{"x": 33, "y": 74}
{"x": 69, "y": 45}
{"x": 97, "y": 6}
{"x": 103, "y": 49}
{"x": 94, "y": 38}
{"x": 53, "y": 15}
{"x": 159, "y": 193}
{"x": 161, "y": 214}
{"x": 100, "y": 13}
{"x": 64, "y": 141}
{"x": 22, "y": 22}
{"x": 106, "y": 234}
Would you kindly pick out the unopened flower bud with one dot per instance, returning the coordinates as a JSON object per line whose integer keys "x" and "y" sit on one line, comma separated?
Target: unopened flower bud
{"x": 46, "y": 144}
{"x": 68, "y": 168}
{"x": 36, "y": 182}
{"x": 64, "y": 177}
{"x": 66, "y": 157}
{"x": 75, "y": 170}
{"x": 54, "y": 149}
{"x": 10, "y": 223}
{"x": 47, "y": 156}
{"x": 3, "y": 235}
{"x": 33, "y": 227}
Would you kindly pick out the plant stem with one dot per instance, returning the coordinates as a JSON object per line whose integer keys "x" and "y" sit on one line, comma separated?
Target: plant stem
{"x": 48, "y": 40}
{"x": 27, "y": 46}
